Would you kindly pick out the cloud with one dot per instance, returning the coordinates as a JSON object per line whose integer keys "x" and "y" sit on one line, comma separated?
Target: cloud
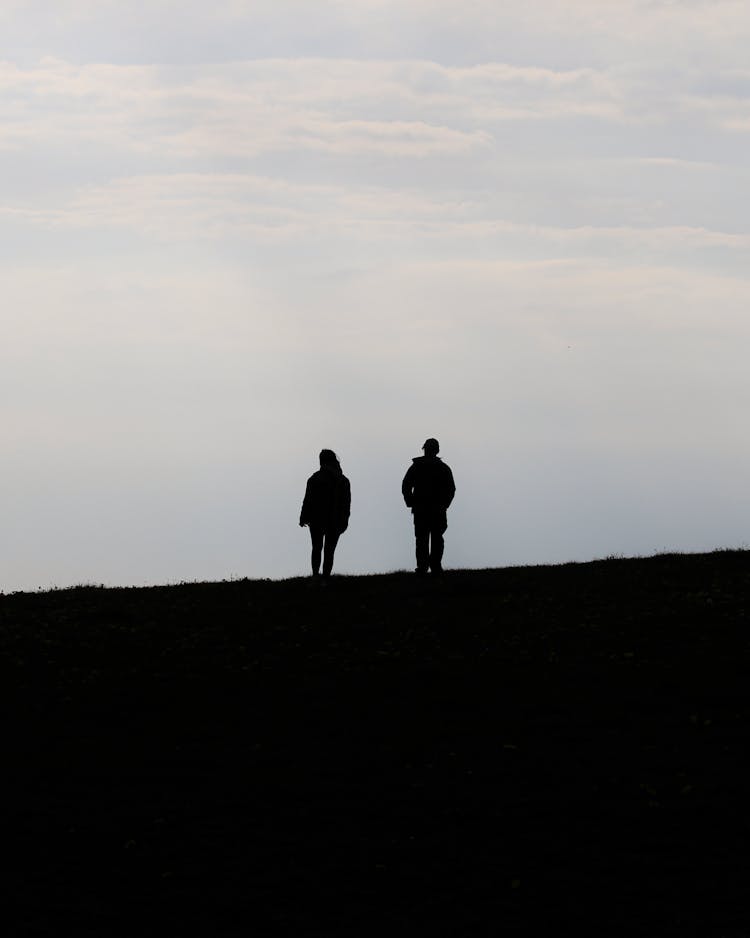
{"x": 589, "y": 31}
{"x": 271, "y": 211}
{"x": 518, "y": 138}
{"x": 405, "y": 109}
{"x": 234, "y": 111}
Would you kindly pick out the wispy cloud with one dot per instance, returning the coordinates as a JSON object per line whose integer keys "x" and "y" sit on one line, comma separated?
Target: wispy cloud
{"x": 194, "y": 206}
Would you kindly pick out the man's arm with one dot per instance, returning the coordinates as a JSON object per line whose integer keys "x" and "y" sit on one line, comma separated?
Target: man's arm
{"x": 450, "y": 487}
{"x": 407, "y": 486}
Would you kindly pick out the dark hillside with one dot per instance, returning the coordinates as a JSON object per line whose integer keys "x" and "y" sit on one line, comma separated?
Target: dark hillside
{"x": 550, "y": 750}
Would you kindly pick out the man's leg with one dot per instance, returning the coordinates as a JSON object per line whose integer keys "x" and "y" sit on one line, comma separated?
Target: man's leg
{"x": 437, "y": 542}
{"x": 316, "y": 536}
{"x": 332, "y": 539}
{"x": 422, "y": 536}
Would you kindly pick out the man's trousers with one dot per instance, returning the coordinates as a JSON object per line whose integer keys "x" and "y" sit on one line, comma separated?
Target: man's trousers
{"x": 429, "y": 527}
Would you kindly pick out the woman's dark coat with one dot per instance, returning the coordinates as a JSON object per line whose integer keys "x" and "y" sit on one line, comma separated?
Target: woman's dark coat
{"x": 327, "y": 500}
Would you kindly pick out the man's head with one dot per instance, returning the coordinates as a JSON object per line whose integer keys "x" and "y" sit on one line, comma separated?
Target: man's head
{"x": 431, "y": 447}
{"x": 327, "y": 457}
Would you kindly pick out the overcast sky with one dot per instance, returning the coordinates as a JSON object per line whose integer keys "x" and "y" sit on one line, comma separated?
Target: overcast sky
{"x": 236, "y": 232}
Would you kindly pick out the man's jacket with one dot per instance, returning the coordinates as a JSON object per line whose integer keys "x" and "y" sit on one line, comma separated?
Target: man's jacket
{"x": 327, "y": 500}
{"x": 428, "y": 485}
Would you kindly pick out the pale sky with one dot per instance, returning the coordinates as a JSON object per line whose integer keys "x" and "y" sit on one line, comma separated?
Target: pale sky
{"x": 236, "y": 233}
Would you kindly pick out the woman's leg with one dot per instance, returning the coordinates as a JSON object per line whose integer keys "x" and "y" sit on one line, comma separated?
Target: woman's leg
{"x": 316, "y": 536}
{"x": 332, "y": 539}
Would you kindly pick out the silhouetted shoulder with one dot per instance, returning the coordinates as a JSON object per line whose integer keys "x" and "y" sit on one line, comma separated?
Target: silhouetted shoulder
{"x": 428, "y": 484}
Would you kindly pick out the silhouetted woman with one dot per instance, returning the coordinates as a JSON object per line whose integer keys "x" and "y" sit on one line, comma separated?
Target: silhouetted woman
{"x": 325, "y": 510}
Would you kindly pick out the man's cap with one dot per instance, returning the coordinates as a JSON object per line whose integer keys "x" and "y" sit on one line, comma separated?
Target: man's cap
{"x": 431, "y": 445}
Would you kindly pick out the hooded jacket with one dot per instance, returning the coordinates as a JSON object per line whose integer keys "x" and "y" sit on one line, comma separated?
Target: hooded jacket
{"x": 428, "y": 485}
{"x": 327, "y": 501}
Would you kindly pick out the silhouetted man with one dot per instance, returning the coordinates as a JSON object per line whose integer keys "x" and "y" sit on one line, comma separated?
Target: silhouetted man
{"x": 325, "y": 510}
{"x": 428, "y": 489}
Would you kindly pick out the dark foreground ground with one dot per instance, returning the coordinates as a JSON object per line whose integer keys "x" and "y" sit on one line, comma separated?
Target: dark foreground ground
{"x": 552, "y": 750}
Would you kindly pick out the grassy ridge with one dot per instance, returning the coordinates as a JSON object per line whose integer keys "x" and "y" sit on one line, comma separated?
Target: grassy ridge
{"x": 493, "y": 752}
